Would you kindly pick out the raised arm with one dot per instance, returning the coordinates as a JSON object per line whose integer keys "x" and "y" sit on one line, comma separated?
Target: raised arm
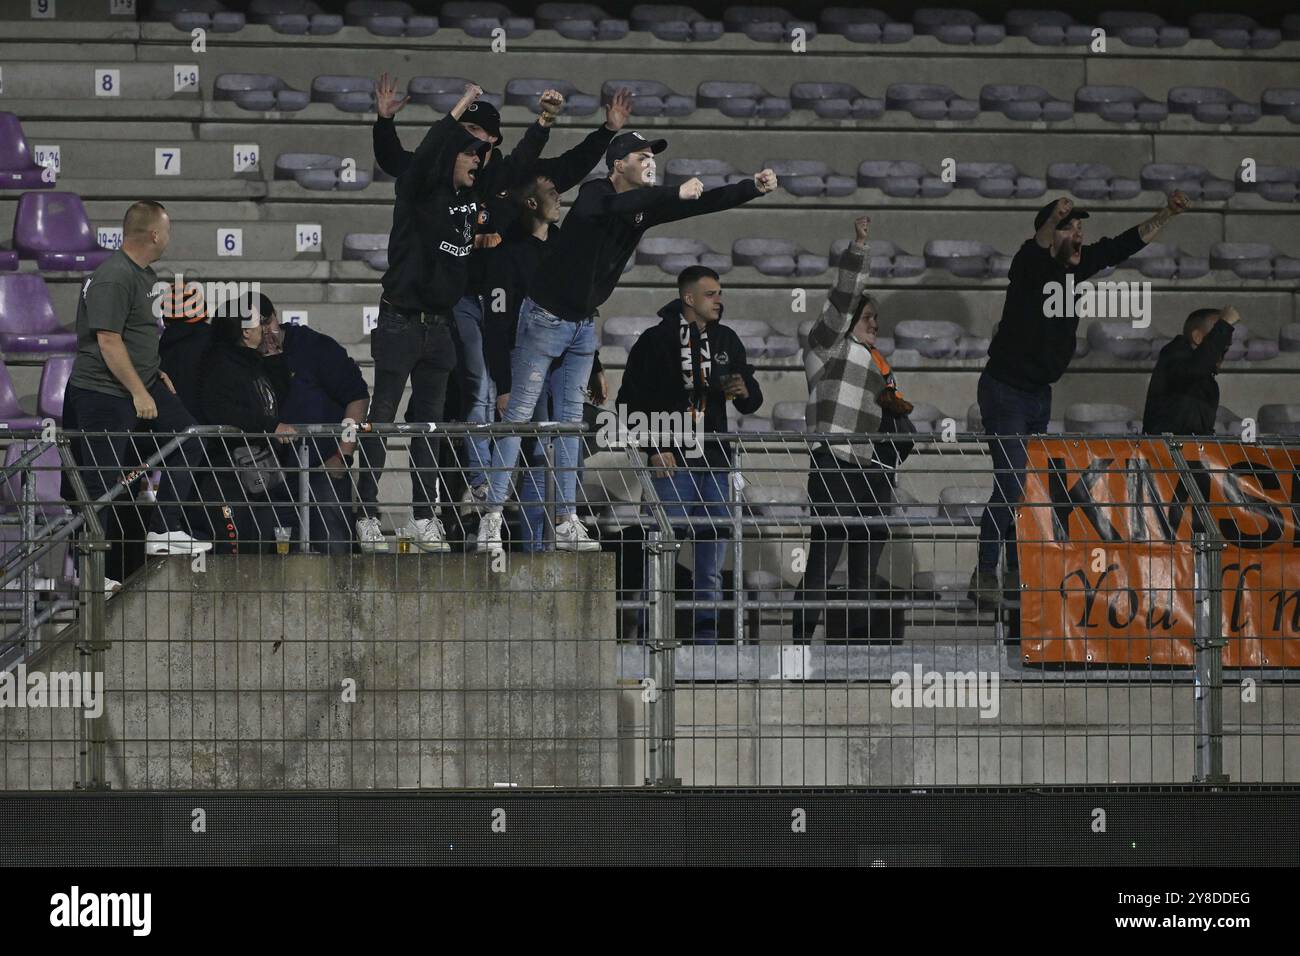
{"x": 1178, "y": 203}
{"x": 842, "y": 300}
{"x": 693, "y": 201}
{"x": 568, "y": 169}
{"x": 1205, "y": 357}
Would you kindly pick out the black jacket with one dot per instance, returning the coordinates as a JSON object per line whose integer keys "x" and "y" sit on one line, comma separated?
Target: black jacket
{"x": 652, "y": 381}
{"x": 1029, "y": 349}
{"x": 180, "y": 355}
{"x": 237, "y": 388}
{"x": 1183, "y": 396}
{"x": 510, "y": 267}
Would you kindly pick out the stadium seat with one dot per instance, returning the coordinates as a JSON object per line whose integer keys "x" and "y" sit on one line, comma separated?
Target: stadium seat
{"x": 835, "y": 101}
{"x": 352, "y": 94}
{"x": 1091, "y": 181}
{"x": 649, "y": 97}
{"x": 884, "y": 259}
{"x": 906, "y": 505}
{"x": 998, "y": 181}
{"x": 1102, "y": 419}
{"x": 901, "y": 178}
{"x": 1281, "y": 102}
{"x": 389, "y": 18}
{"x": 753, "y": 423}
{"x": 1048, "y": 28}
{"x": 27, "y": 319}
{"x": 789, "y": 416}
{"x": 1261, "y": 349}
{"x": 930, "y": 101}
{"x": 926, "y": 417}
{"x": 1023, "y": 102}
{"x": 1196, "y": 181}
{"x": 1274, "y": 183}
{"x": 963, "y": 503}
{"x": 1121, "y": 340}
{"x": 318, "y": 171}
{"x": 294, "y": 17}
{"x": 956, "y": 26}
{"x": 780, "y": 346}
{"x": 1119, "y": 104}
{"x": 444, "y": 92}
{"x": 259, "y": 92}
{"x": 1212, "y": 104}
{"x": 865, "y": 25}
{"x": 766, "y": 24}
{"x": 17, "y": 168}
{"x": 370, "y": 248}
{"x": 777, "y": 257}
{"x": 478, "y": 18}
{"x": 45, "y": 470}
{"x": 711, "y": 172}
{"x": 973, "y": 346}
{"x": 809, "y": 177}
{"x": 8, "y": 260}
{"x": 53, "y": 229}
{"x": 672, "y": 255}
{"x": 623, "y": 330}
{"x": 1233, "y": 31}
{"x": 188, "y": 15}
{"x": 54, "y": 382}
{"x": 1159, "y": 260}
{"x": 11, "y": 412}
{"x": 1143, "y": 29}
{"x": 580, "y": 21}
{"x": 933, "y": 338}
{"x": 525, "y": 93}
{"x": 1227, "y": 422}
{"x": 741, "y": 99}
{"x": 969, "y": 259}
{"x": 674, "y": 23}
{"x": 1279, "y": 419}
{"x": 1254, "y": 260}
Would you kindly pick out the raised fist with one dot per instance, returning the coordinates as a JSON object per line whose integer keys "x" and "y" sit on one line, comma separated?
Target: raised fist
{"x": 691, "y": 189}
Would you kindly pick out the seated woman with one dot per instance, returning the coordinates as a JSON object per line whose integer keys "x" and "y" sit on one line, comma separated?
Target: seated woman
{"x": 852, "y": 392}
{"x": 236, "y": 388}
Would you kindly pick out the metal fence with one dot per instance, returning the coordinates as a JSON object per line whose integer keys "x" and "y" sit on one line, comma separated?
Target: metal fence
{"x": 763, "y": 615}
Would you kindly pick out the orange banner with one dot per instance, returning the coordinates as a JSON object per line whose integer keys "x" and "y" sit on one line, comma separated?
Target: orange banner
{"x": 1106, "y": 563}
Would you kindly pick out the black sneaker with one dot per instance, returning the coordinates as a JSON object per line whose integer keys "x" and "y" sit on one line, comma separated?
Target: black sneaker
{"x": 985, "y": 590}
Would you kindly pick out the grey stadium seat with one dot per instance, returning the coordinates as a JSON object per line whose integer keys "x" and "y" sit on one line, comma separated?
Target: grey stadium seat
{"x": 1143, "y": 29}
{"x": 443, "y": 92}
{"x": 389, "y": 18}
{"x": 1253, "y": 260}
{"x": 674, "y": 23}
{"x": 740, "y": 98}
{"x": 1279, "y": 419}
{"x": 835, "y": 101}
{"x": 1194, "y": 180}
{"x": 188, "y": 15}
{"x": 673, "y": 255}
{"x": 1048, "y": 28}
{"x": 884, "y": 258}
{"x": 780, "y": 346}
{"x": 259, "y": 91}
{"x": 753, "y": 423}
{"x": 930, "y": 101}
{"x": 1159, "y": 260}
{"x": 1212, "y": 104}
{"x": 933, "y": 338}
{"x": 1288, "y": 337}
{"x": 789, "y": 416}
{"x": 352, "y": 94}
{"x": 1281, "y": 101}
{"x": 810, "y": 177}
{"x": 294, "y": 17}
{"x": 317, "y": 171}
{"x": 525, "y": 93}
{"x": 998, "y": 181}
{"x": 926, "y": 417}
{"x": 1091, "y": 181}
{"x": 623, "y": 330}
{"x": 711, "y": 172}
{"x": 865, "y": 25}
{"x": 972, "y": 346}
{"x": 905, "y": 504}
{"x": 1121, "y": 340}
{"x": 1023, "y": 102}
{"x": 766, "y": 24}
{"x": 1119, "y": 104}
{"x": 776, "y": 257}
{"x": 1261, "y": 349}
{"x": 1227, "y": 422}
{"x": 901, "y": 178}
{"x": 369, "y": 247}
{"x": 1102, "y": 418}
{"x": 963, "y": 502}
{"x": 1233, "y": 31}
{"x": 478, "y": 18}
{"x": 580, "y": 21}
{"x": 1274, "y": 183}
{"x": 778, "y": 501}
{"x": 961, "y": 257}
{"x": 948, "y": 25}
{"x": 974, "y": 419}
{"x": 649, "y": 97}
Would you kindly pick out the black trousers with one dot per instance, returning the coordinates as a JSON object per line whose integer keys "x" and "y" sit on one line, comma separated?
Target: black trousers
{"x": 406, "y": 346}
{"x": 837, "y": 489}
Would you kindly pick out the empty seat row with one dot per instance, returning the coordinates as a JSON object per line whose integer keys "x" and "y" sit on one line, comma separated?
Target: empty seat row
{"x": 49, "y": 404}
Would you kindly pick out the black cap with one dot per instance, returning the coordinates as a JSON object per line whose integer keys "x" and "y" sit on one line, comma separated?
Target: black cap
{"x": 631, "y": 142}
{"x": 1046, "y": 211}
{"x": 482, "y": 113}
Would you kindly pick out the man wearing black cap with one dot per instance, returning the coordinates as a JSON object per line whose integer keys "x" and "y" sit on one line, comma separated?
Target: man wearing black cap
{"x": 557, "y": 319}
{"x": 1030, "y": 351}
{"x": 1183, "y": 396}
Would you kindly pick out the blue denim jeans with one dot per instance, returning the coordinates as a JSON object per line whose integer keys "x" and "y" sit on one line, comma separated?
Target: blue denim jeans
{"x": 701, "y": 494}
{"x": 478, "y": 391}
{"x": 532, "y": 481}
{"x": 541, "y": 339}
{"x": 1007, "y": 410}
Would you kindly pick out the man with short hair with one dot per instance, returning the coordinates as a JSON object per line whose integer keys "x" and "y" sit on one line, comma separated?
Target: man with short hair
{"x": 117, "y": 385}
{"x": 1183, "y": 395}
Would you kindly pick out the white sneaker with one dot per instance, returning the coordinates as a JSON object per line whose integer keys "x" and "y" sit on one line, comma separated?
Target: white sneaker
{"x": 111, "y": 587}
{"x": 473, "y": 500}
{"x": 173, "y": 542}
{"x": 489, "y": 533}
{"x": 572, "y": 535}
{"x": 427, "y": 534}
{"x": 370, "y": 537}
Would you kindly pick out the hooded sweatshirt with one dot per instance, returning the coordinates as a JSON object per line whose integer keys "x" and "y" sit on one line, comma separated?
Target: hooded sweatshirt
{"x": 1183, "y": 396}
{"x": 656, "y": 373}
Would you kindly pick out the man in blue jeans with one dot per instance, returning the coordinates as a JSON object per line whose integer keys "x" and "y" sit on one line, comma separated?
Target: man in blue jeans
{"x": 557, "y": 319}
{"x": 1030, "y": 351}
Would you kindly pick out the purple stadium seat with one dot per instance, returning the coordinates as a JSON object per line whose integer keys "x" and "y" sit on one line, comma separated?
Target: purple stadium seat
{"x": 1274, "y": 183}
{"x": 294, "y": 17}
{"x": 11, "y": 413}
{"x": 930, "y": 101}
{"x": 1048, "y": 28}
{"x": 1143, "y": 29}
{"x": 259, "y": 92}
{"x": 389, "y": 18}
{"x": 17, "y": 170}
{"x": 8, "y": 260}
{"x": 188, "y": 15}
{"x": 1281, "y": 102}
{"x": 649, "y": 97}
{"x": 1091, "y": 181}
{"x": 352, "y": 94}
{"x": 54, "y": 382}
{"x": 961, "y": 257}
{"x": 580, "y": 21}
{"x": 1194, "y": 180}
{"x": 53, "y": 229}
{"x": 901, "y": 178}
{"x": 835, "y": 101}
{"x": 739, "y": 98}
{"x": 674, "y": 23}
{"x": 948, "y": 25}
{"x": 479, "y": 18}
{"x": 711, "y": 172}
{"x": 46, "y": 471}
{"x": 1119, "y": 104}
{"x": 443, "y": 92}
{"x": 1024, "y": 102}
{"x": 766, "y": 24}
{"x": 865, "y": 25}
{"x": 27, "y": 319}
{"x": 1233, "y": 31}
{"x": 1211, "y": 104}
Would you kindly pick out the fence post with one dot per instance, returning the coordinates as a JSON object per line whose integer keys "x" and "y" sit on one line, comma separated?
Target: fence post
{"x": 1208, "y": 579}
{"x": 549, "y": 486}
{"x": 27, "y": 514}
{"x": 661, "y": 711}
{"x": 304, "y": 496}
{"x": 735, "y": 485}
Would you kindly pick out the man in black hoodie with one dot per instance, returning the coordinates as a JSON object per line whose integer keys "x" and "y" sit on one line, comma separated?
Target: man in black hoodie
{"x": 1031, "y": 349}
{"x": 689, "y": 366}
{"x": 1183, "y": 396}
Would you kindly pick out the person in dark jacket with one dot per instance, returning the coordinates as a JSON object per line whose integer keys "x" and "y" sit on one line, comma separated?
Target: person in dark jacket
{"x": 691, "y": 366}
{"x": 236, "y": 388}
{"x": 495, "y": 219}
{"x": 1183, "y": 395}
{"x": 1030, "y": 351}
{"x": 186, "y": 336}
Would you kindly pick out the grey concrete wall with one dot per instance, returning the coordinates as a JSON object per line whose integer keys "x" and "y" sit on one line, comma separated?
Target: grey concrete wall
{"x": 233, "y": 678}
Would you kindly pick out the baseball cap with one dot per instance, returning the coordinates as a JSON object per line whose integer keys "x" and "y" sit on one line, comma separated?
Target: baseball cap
{"x": 482, "y": 113}
{"x": 624, "y": 143}
{"x": 1046, "y": 211}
